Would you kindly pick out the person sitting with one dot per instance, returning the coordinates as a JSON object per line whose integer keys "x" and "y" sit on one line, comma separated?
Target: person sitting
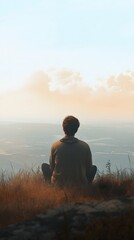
{"x": 70, "y": 159}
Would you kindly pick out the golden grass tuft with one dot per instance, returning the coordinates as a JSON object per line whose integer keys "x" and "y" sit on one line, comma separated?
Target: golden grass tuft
{"x": 24, "y": 195}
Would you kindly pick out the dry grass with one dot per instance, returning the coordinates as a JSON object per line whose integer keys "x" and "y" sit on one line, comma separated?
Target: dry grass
{"x": 25, "y": 194}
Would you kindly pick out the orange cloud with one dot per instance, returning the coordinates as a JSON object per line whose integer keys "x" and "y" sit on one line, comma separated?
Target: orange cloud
{"x": 51, "y": 96}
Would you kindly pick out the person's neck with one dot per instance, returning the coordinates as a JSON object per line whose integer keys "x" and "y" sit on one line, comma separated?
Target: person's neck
{"x": 69, "y": 135}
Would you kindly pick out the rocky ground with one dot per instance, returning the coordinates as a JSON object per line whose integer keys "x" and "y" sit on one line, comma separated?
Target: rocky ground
{"x": 67, "y": 222}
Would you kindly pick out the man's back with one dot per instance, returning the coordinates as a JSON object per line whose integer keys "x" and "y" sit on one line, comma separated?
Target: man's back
{"x": 70, "y": 158}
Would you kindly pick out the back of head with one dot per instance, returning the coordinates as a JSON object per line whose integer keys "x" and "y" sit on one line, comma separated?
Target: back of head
{"x": 70, "y": 125}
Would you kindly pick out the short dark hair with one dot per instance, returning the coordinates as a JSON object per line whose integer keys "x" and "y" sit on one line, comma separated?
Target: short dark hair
{"x": 70, "y": 125}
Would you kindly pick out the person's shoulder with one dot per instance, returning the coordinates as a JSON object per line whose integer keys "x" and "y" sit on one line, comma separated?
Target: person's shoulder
{"x": 83, "y": 143}
{"x": 56, "y": 144}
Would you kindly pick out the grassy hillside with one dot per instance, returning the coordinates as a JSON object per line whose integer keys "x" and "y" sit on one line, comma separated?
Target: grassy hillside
{"x": 26, "y": 194}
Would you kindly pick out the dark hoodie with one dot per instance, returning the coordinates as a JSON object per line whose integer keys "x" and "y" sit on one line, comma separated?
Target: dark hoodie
{"x": 70, "y": 158}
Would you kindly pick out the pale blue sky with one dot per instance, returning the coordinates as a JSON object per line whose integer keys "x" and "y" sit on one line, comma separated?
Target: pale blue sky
{"x": 95, "y": 38}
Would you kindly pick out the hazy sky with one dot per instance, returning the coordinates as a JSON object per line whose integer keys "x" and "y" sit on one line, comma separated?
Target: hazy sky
{"x": 71, "y": 46}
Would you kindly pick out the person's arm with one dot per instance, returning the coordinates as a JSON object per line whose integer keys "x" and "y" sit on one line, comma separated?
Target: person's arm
{"x": 88, "y": 162}
{"x": 52, "y": 160}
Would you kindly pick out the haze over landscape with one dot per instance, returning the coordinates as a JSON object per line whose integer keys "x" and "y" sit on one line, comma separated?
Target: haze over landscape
{"x": 66, "y": 57}
{"x": 50, "y": 96}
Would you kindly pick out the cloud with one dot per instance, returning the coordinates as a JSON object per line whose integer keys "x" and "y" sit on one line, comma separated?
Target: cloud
{"x": 66, "y": 81}
{"x": 50, "y": 96}
{"x": 122, "y": 82}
